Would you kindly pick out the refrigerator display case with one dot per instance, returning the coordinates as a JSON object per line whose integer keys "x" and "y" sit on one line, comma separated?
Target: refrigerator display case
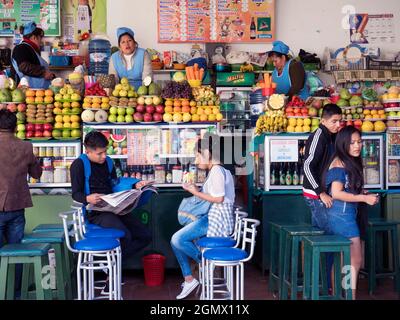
{"x": 163, "y": 153}
{"x": 393, "y": 159}
{"x": 281, "y": 160}
{"x": 56, "y": 159}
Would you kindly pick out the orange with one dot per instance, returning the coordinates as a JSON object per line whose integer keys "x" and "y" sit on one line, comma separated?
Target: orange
{"x": 177, "y": 104}
{"x": 193, "y": 110}
{"x": 185, "y": 103}
{"x": 177, "y": 109}
{"x": 200, "y": 111}
{"x": 39, "y": 99}
{"x": 48, "y": 93}
{"x": 203, "y": 118}
{"x": 186, "y": 109}
{"x": 169, "y": 103}
{"x": 30, "y": 93}
{"x": 195, "y": 118}
{"x": 169, "y": 109}
{"x": 40, "y": 93}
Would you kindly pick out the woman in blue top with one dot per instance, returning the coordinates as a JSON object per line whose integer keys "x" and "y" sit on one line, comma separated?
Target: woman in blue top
{"x": 344, "y": 181}
{"x": 130, "y": 62}
{"x": 289, "y": 75}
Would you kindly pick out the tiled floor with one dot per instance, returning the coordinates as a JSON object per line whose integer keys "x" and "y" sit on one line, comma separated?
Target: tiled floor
{"x": 255, "y": 287}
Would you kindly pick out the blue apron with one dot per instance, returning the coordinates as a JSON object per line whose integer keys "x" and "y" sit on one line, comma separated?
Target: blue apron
{"x": 134, "y": 75}
{"x": 34, "y": 82}
{"x": 284, "y": 83}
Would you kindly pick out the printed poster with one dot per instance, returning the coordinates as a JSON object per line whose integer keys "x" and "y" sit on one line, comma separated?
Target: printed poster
{"x": 82, "y": 17}
{"x": 247, "y": 21}
{"x": 372, "y": 29}
{"x": 14, "y": 14}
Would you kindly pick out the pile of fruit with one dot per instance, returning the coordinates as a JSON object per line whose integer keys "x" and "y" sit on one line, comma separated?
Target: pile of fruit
{"x": 96, "y": 102}
{"x": 38, "y": 130}
{"x": 149, "y": 109}
{"x": 124, "y": 90}
{"x": 40, "y": 113}
{"x": 302, "y": 125}
{"x": 274, "y": 119}
{"x": 39, "y": 96}
{"x": 16, "y": 96}
{"x": 392, "y": 96}
{"x": 94, "y": 116}
{"x": 177, "y": 90}
{"x": 184, "y": 110}
{"x": 68, "y": 94}
{"x": 369, "y": 126}
{"x": 205, "y": 96}
{"x": 95, "y": 91}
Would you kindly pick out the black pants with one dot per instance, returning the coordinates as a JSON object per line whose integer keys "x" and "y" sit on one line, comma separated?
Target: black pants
{"x": 137, "y": 236}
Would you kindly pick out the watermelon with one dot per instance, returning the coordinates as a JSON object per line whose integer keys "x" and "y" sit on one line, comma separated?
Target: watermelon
{"x": 107, "y": 134}
{"x": 118, "y": 138}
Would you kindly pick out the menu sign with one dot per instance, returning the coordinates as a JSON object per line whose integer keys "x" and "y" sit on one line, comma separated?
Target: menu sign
{"x": 216, "y": 21}
{"x": 46, "y": 13}
{"x": 284, "y": 151}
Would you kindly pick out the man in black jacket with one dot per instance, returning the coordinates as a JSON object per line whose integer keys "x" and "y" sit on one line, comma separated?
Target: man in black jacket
{"x": 320, "y": 148}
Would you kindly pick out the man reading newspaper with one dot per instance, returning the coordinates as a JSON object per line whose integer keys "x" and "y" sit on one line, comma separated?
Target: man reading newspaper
{"x": 99, "y": 184}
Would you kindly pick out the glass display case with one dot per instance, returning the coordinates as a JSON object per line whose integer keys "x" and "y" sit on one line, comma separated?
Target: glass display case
{"x": 163, "y": 153}
{"x": 56, "y": 159}
{"x": 393, "y": 159}
{"x": 281, "y": 160}
{"x": 235, "y": 107}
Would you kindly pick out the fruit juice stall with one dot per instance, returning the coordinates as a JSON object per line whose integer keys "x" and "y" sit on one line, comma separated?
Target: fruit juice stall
{"x": 279, "y": 153}
{"x": 152, "y": 136}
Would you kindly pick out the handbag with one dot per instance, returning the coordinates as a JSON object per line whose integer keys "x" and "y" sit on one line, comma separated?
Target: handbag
{"x": 192, "y": 209}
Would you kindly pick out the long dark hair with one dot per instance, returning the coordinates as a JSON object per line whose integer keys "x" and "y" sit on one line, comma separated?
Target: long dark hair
{"x": 352, "y": 165}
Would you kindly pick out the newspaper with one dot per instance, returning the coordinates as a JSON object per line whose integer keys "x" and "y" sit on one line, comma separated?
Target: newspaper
{"x": 122, "y": 203}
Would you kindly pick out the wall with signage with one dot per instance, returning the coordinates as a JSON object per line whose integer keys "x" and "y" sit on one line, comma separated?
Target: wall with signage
{"x": 216, "y": 21}
{"x": 46, "y": 13}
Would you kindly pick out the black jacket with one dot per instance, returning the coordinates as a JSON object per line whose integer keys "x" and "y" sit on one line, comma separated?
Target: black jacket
{"x": 320, "y": 148}
{"x": 27, "y": 61}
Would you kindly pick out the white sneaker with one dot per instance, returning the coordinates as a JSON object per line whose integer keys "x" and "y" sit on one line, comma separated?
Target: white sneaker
{"x": 187, "y": 289}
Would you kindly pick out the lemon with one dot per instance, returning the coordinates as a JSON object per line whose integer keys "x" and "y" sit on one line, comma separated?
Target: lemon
{"x": 306, "y": 129}
{"x": 59, "y": 119}
{"x": 212, "y": 117}
{"x": 291, "y": 128}
{"x": 292, "y": 123}
{"x": 307, "y": 122}
{"x": 220, "y": 117}
{"x": 300, "y": 122}
{"x": 299, "y": 129}
{"x": 66, "y": 119}
{"x": 195, "y": 118}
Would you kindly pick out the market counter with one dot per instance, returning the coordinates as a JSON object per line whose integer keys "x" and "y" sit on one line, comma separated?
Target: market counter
{"x": 160, "y": 215}
{"x": 287, "y": 207}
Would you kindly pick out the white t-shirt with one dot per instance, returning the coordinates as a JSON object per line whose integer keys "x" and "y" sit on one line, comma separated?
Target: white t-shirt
{"x": 220, "y": 185}
{"x": 129, "y": 61}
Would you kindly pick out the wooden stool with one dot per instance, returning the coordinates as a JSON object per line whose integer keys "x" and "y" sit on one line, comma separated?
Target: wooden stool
{"x": 389, "y": 228}
{"x": 313, "y": 248}
{"x": 277, "y": 252}
{"x": 293, "y": 238}
{"x": 63, "y": 272}
{"x": 26, "y": 254}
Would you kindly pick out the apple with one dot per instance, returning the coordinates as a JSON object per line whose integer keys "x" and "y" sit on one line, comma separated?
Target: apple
{"x": 121, "y": 111}
{"x": 150, "y": 109}
{"x": 160, "y": 109}
{"x": 21, "y": 127}
{"x": 30, "y": 127}
{"x": 138, "y": 117}
{"x": 30, "y": 134}
{"x": 38, "y": 127}
{"x": 113, "y": 110}
{"x": 21, "y": 107}
{"x": 121, "y": 118}
{"x": 147, "y": 117}
{"x": 140, "y": 108}
{"x": 75, "y": 133}
{"x": 317, "y": 104}
{"x": 38, "y": 134}
{"x": 56, "y": 134}
{"x": 157, "y": 117}
{"x": 128, "y": 118}
{"x": 21, "y": 135}
{"x": 47, "y": 134}
{"x": 130, "y": 111}
{"x": 48, "y": 127}
{"x": 112, "y": 118}
{"x": 312, "y": 112}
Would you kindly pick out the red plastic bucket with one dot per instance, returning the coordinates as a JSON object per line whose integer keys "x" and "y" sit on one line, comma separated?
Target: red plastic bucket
{"x": 154, "y": 266}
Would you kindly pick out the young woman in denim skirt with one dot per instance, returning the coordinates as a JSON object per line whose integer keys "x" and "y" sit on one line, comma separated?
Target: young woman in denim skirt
{"x": 219, "y": 190}
{"x": 344, "y": 181}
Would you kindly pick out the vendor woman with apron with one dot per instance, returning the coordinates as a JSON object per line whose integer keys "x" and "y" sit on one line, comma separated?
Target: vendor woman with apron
{"x": 26, "y": 60}
{"x": 289, "y": 75}
{"x": 130, "y": 62}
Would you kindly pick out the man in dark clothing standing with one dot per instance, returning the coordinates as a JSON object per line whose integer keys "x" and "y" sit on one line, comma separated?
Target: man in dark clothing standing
{"x": 320, "y": 148}
{"x": 137, "y": 236}
{"x": 17, "y": 162}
